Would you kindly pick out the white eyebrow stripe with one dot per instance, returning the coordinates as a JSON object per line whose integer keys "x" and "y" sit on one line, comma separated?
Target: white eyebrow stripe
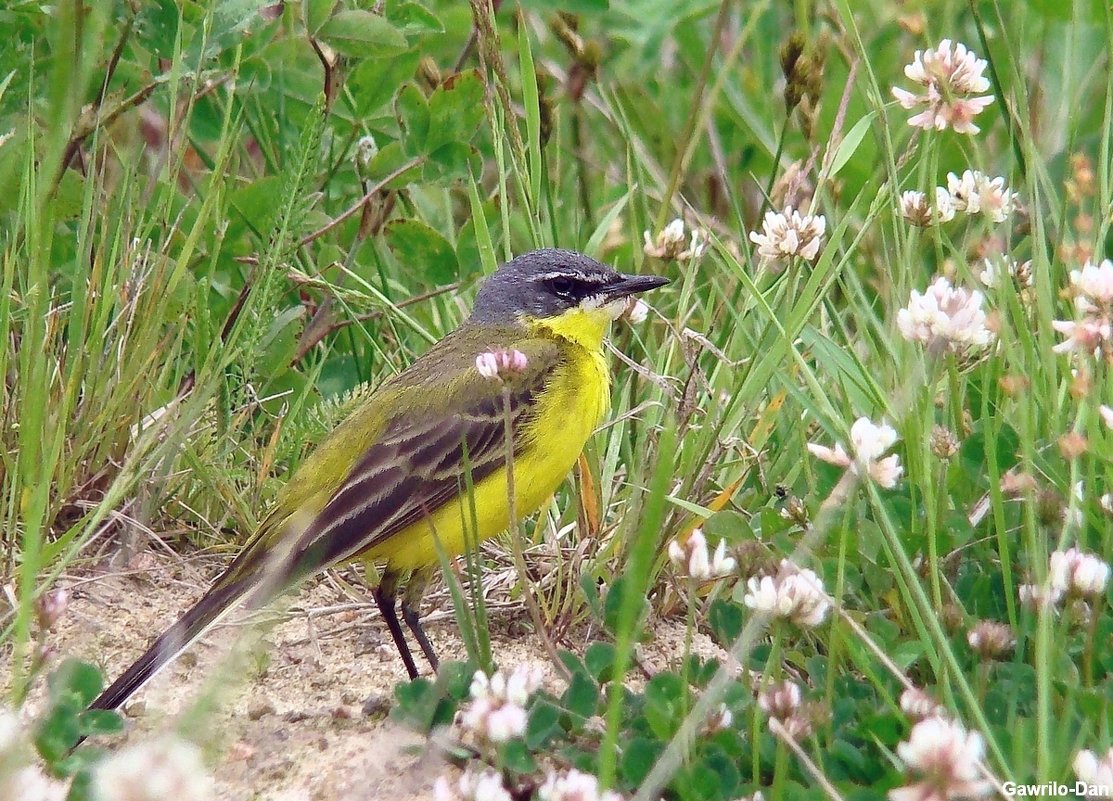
{"x": 587, "y": 278}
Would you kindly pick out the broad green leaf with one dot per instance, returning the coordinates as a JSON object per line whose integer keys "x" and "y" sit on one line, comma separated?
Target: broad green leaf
{"x": 581, "y": 696}
{"x": 76, "y": 680}
{"x": 100, "y": 721}
{"x": 156, "y": 27}
{"x": 726, "y": 621}
{"x": 572, "y": 663}
{"x": 697, "y": 782}
{"x": 543, "y": 725}
{"x": 417, "y": 702}
{"x": 455, "y": 110}
{"x": 724, "y": 766}
{"x": 422, "y": 251}
{"x": 664, "y": 702}
{"x": 454, "y": 679}
{"x": 360, "y": 33}
{"x": 413, "y": 115}
{"x": 452, "y": 162}
{"x": 570, "y": 6}
{"x": 375, "y": 81}
{"x": 638, "y": 757}
{"x": 317, "y": 13}
{"x": 389, "y": 159}
{"x": 231, "y": 21}
{"x": 57, "y": 733}
{"x": 415, "y": 19}
{"x": 514, "y": 757}
{"x": 599, "y": 659}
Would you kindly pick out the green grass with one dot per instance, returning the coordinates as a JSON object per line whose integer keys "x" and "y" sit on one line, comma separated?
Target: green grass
{"x": 175, "y": 242}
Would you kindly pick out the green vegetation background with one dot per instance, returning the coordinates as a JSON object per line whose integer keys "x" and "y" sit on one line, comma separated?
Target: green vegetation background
{"x": 222, "y": 220}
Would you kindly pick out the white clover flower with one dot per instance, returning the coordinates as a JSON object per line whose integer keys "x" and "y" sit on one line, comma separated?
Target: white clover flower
{"x": 31, "y": 784}
{"x": 918, "y": 705}
{"x": 574, "y": 786}
{"x": 781, "y": 700}
{"x": 11, "y": 733}
{"x": 718, "y": 720}
{"x": 691, "y": 558}
{"x": 868, "y": 443}
{"x": 636, "y": 311}
{"x": 1095, "y": 772}
{"x": 787, "y": 235}
{"x": 366, "y": 150}
{"x": 995, "y": 270}
{"x": 783, "y": 703}
{"x": 946, "y": 319}
{"x": 500, "y": 363}
{"x": 976, "y": 193}
{"x": 918, "y": 210}
{"x": 1106, "y": 415}
{"x": 497, "y": 711}
{"x": 696, "y": 246}
{"x": 1092, "y": 332}
{"x": 1073, "y": 516}
{"x": 1089, "y": 336}
{"x": 153, "y": 771}
{"x": 1093, "y": 287}
{"x": 1074, "y": 572}
{"x": 794, "y": 594}
{"x": 945, "y": 760}
{"x": 670, "y": 243}
{"x": 990, "y": 639}
{"x": 472, "y": 786}
{"x": 950, "y": 76}
{"x": 1036, "y": 596}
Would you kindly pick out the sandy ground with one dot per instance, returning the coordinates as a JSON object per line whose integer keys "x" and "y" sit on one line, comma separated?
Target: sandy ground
{"x": 285, "y": 719}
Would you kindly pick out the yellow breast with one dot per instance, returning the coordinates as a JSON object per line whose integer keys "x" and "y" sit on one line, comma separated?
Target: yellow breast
{"x": 568, "y": 411}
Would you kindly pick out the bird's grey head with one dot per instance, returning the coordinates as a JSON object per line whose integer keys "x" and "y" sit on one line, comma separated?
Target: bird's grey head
{"x": 546, "y": 283}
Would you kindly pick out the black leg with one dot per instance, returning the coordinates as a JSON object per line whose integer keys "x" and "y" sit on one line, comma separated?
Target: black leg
{"x": 413, "y": 620}
{"x": 385, "y": 599}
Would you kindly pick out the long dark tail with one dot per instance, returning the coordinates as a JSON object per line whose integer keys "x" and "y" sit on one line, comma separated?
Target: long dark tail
{"x": 212, "y": 606}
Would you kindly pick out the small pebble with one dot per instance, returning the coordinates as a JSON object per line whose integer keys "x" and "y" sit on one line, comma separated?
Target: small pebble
{"x": 259, "y": 707}
{"x": 377, "y": 705}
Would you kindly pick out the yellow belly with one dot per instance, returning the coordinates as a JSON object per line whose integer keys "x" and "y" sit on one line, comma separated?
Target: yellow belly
{"x": 568, "y": 412}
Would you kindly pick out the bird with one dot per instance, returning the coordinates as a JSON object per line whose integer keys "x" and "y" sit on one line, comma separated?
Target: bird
{"x": 400, "y": 476}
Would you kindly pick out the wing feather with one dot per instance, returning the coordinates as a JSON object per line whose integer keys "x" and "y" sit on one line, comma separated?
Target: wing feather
{"x": 416, "y": 466}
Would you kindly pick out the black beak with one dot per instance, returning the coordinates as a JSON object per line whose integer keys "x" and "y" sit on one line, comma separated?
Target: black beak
{"x": 634, "y": 284}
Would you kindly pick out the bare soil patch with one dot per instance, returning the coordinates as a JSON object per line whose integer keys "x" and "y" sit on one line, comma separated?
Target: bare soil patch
{"x": 285, "y": 718}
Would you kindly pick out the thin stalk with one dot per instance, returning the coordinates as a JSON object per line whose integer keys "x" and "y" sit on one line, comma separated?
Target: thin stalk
{"x": 693, "y": 115}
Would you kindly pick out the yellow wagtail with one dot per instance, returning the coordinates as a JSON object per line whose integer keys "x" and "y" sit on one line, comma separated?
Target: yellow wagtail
{"x": 391, "y": 480}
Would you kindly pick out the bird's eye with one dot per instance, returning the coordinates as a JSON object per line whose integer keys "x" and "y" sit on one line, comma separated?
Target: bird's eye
{"x": 561, "y": 287}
